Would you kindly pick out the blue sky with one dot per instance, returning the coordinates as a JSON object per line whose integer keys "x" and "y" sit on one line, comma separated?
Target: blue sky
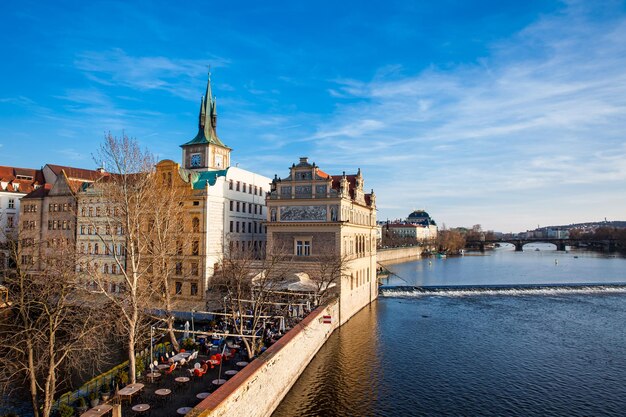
{"x": 505, "y": 114}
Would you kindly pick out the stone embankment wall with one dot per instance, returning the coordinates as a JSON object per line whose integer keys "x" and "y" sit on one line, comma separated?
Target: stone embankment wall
{"x": 396, "y": 254}
{"x": 260, "y": 387}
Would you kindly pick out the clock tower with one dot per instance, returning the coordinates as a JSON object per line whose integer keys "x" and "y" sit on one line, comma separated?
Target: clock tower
{"x": 206, "y": 151}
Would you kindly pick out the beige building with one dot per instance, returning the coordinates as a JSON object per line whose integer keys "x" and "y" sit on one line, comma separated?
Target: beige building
{"x": 48, "y": 218}
{"x": 312, "y": 213}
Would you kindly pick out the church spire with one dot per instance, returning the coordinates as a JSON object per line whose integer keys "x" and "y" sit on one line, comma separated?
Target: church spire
{"x": 207, "y": 119}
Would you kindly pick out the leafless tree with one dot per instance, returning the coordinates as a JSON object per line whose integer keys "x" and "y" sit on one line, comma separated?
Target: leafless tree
{"x": 167, "y": 233}
{"x": 126, "y": 194}
{"x": 326, "y": 270}
{"x": 52, "y": 328}
{"x": 246, "y": 288}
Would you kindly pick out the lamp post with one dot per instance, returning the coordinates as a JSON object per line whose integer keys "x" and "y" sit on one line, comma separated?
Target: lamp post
{"x": 193, "y": 328}
{"x": 151, "y": 341}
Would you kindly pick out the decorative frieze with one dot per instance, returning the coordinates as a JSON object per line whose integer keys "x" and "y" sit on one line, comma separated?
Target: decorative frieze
{"x": 303, "y": 213}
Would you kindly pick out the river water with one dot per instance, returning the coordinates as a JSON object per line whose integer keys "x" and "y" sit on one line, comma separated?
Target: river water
{"x": 505, "y": 334}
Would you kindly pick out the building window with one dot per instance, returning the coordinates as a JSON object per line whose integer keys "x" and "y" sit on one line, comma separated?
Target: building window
{"x": 243, "y": 227}
{"x": 237, "y": 205}
{"x": 237, "y": 227}
{"x": 179, "y": 287}
{"x": 238, "y": 185}
{"x": 243, "y": 207}
{"x": 244, "y": 187}
{"x": 195, "y": 225}
{"x": 195, "y": 248}
{"x": 179, "y": 268}
{"x": 230, "y": 184}
{"x": 11, "y": 203}
{"x": 231, "y": 226}
{"x": 10, "y": 222}
{"x": 256, "y": 190}
{"x": 303, "y": 247}
{"x": 194, "y": 269}
{"x": 231, "y": 205}
{"x": 194, "y": 289}
{"x": 250, "y": 208}
{"x": 196, "y": 203}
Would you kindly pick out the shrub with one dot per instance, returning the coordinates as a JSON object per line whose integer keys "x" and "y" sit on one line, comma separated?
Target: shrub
{"x": 122, "y": 378}
{"x": 65, "y": 410}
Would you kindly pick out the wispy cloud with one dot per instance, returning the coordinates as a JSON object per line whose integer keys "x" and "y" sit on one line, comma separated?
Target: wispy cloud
{"x": 174, "y": 75}
{"x": 546, "y": 108}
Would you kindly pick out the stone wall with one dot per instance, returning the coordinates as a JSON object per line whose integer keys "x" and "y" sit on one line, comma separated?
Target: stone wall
{"x": 260, "y": 387}
{"x": 394, "y": 254}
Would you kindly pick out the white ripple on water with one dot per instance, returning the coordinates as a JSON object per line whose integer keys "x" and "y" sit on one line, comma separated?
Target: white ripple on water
{"x": 516, "y": 292}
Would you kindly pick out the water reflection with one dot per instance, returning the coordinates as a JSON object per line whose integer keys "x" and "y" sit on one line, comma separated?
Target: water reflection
{"x": 341, "y": 380}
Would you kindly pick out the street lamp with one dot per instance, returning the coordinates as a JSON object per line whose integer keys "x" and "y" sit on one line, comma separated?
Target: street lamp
{"x": 151, "y": 342}
{"x": 193, "y": 328}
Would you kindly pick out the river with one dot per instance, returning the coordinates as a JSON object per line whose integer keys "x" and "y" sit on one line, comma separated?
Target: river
{"x": 530, "y": 333}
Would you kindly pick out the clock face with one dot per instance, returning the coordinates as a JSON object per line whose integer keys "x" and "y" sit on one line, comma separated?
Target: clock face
{"x": 218, "y": 161}
{"x": 196, "y": 160}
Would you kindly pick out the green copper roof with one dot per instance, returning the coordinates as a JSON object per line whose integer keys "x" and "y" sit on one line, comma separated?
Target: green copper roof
{"x": 200, "y": 180}
{"x": 207, "y": 120}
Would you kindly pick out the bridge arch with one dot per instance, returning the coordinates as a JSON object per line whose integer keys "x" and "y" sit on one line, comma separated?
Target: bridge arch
{"x": 553, "y": 244}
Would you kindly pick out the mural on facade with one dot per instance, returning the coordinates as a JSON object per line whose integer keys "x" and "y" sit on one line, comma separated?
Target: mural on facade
{"x": 303, "y": 213}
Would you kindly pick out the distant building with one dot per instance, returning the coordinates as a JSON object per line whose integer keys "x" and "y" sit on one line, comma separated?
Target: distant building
{"x": 48, "y": 224}
{"x": 418, "y": 225}
{"x": 313, "y": 213}
{"x": 15, "y": 183}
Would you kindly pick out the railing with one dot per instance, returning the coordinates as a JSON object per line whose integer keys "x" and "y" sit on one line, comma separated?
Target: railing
{"x": 109, "y": 378}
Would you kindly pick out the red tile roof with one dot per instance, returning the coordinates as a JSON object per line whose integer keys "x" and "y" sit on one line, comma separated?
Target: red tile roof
{"x": 20, "y": 185}
{"x": 77, "y": 173}
{"x": 39, "y": 192}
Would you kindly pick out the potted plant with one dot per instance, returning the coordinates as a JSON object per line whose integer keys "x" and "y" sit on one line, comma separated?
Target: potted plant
{"x": 66, "y": 410}
{"x": 93, "y": 398}
{"x": 105, "y": 393}
{"x": 140, "y": 367}
{"x": 82, "y": 405}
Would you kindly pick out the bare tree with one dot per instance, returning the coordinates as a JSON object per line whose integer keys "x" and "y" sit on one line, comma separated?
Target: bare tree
{"x": 326, "y": 270}
{"x": 51, "y": 328}
{"x": 246, "y": 288}
{"x": 125, "y": 195}
{"x": 167, "y": 233}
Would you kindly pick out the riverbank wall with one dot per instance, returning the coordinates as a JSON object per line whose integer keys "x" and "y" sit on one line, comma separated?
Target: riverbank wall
{"x": 260, "y": 387}
{"x": 398, "y": 254}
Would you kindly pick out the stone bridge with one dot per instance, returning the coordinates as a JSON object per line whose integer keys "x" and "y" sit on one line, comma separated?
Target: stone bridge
{"x": 608, "y": 244}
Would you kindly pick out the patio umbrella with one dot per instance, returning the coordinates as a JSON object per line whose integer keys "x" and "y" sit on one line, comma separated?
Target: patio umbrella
{"x": 186, "y": 333}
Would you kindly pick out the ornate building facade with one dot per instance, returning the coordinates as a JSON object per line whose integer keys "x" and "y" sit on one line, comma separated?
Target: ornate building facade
{"x": 312, "y": 214}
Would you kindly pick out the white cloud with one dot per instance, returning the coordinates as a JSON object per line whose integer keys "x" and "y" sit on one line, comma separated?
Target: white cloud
{"x": 546, "y": 109}
{"x": 116, "y": 67}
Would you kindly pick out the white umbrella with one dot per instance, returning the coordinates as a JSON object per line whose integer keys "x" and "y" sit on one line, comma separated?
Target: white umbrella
{"x": 186, "y": 334}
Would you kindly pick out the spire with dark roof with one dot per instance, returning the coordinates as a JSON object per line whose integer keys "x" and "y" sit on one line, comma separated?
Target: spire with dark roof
{"x": 207, "y": 120}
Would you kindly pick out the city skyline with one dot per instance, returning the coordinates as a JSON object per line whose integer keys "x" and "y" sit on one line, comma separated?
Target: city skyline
{"x": 505, "y": 115}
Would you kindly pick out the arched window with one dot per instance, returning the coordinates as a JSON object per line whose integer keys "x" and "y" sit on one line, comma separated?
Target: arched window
{"x": 106, "y": 268}
{"x": 195, "y": 224}
{"x": 95, "y": 249}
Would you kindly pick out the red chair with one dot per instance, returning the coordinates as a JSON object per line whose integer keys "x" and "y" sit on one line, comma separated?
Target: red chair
{"x": 171, "y": 369}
